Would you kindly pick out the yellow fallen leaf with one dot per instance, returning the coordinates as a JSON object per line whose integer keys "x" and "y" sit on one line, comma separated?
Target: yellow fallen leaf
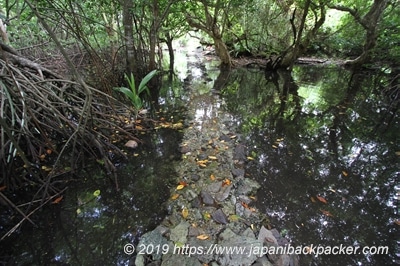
{"x": 175, "y": 196}
{"x": 250, "y": 158}
{"x": 212, "y": 158}
{"x": 185, "y": 212}
{"x": 203, "y": 237}
{"x": 179, "y": 187}
{"x": 275, "y": 147}
{"x": 226, "y": 182}
{"x": 203, "y": 165}
{"x": 397, "y": 153}
{"x": 212, "y": 177}
{"x": 233, "y": 218}
{"x": 178, "y": 125}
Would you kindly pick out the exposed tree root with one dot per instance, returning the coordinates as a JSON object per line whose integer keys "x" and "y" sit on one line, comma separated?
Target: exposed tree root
{"x": 48, "y": 125}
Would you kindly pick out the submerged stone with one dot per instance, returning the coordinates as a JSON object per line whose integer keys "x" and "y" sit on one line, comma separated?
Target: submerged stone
{"x": 220, "y": 217}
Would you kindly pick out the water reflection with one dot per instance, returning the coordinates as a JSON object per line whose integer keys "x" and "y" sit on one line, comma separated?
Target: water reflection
{"x": 322, "y": 132}
{"x": 90, "y": 229}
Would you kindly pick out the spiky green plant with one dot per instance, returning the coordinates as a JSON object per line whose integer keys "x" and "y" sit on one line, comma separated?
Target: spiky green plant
{"x": 133, "y": 93}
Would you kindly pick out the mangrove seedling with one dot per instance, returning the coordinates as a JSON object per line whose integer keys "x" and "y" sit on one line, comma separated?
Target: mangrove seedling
{"x": 133, "y": 93}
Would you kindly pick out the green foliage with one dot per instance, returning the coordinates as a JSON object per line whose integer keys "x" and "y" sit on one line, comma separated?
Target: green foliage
{"x": 132, "y": 92}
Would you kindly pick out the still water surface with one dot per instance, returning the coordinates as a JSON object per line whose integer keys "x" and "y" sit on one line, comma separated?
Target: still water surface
{"x": 324, "y": 143}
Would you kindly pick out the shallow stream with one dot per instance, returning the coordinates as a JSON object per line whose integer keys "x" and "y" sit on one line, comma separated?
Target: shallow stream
{"x": 321, "y": 140}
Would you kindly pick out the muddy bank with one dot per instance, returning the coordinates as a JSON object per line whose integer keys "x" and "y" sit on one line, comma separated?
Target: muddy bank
{"x": 211, "y": 219}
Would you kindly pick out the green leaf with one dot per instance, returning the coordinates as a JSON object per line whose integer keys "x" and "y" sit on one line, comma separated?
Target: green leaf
{"x": 96, "y": 193}
{"x": 137, "y": 102}
{"x": 131, "y": 82}
{"x": 145, "y": 80}
{"x": 127, "y": 92}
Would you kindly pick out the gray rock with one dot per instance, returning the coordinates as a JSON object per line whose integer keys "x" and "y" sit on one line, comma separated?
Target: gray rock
{"x": 263, "y": 261}
{"x": 237, "y": 172}
{"x": 206, "y": 198}
{"x": 248, "y": 233}
{"x": 243, "y": 248}
{"x": 223, "y": 193}
{"x": 152, "y": 238}
{"x": 179, "y": 233}
{"x": 203, "y": 256}
{"x": 214, "y": 187}
{"x": 220, "y": 217}
{"x": 179, "y": 259}
{"x": 190, "y": 195}
{"x": 266, "y": 235}
{"x": 240, "y": 153}
{"x": 246, "y": 186}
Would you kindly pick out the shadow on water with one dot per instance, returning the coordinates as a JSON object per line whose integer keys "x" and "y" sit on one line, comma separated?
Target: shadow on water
{"x": 325, "y": 143}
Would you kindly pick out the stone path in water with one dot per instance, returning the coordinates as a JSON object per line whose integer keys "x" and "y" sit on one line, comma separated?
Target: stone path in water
{"x": 211, "y": 221}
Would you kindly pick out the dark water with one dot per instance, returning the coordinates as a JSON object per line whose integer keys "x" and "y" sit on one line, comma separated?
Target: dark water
{"x": 327, "y": 132}
{"x": 85, "y": 229}
{"x": 316, "y": 132}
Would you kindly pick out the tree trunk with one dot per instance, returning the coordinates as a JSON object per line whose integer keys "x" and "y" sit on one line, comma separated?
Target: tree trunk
{"x": 153, "y": 35}
{"x": 370, "y": 22}
{"x": 168, "y": 41}
{"x": 222, "y": 52}
{"x": 293, "y": 53}
{"x": 127, "y": 6}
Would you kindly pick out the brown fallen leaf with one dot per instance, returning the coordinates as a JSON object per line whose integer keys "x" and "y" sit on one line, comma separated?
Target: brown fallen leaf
{"x": 397, "y": 222}
{"x": 3, "y": 188}
{"x": 244, "y": 205}
{"x": 327, "y": 213}
{"x": 344, "y": 173}
{"x": 313, "y": 200}
{"x": 183, "y": 183}
{"x": 57, "y": 200}
{"x": 321, "y": 199}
